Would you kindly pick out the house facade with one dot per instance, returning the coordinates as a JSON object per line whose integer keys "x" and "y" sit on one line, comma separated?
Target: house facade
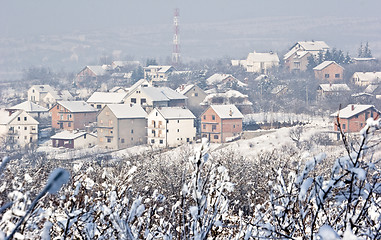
{"x": 18, "y": 128}
{"x": 296, "y": 59}
{"x": 194, "y": 94}
{"x": 221, "y": 123}
{"x": 258, "y": 62}
{"x": 121, "y": 125}
{"x": 74, "y": 139}
{"x": 326, "y": 90}
{"x": 329, "y": 71}
{"x": 157, "y": 73}
{"x": 151, "y": 97}
{"x": 72, "y": 115}
{"x": 366, "y": 78}
{"x": 353, "y": 117}
{"x": 170, "y": 127}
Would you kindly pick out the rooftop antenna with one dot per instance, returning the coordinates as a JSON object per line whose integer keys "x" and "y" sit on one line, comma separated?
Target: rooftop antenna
{"x": 176, "y": 38}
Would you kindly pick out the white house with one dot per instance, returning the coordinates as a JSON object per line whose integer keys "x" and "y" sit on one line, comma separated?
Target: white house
{"x": 170, "y": 127}
{"x": 47, "y": 96}
{"x": 366, "y": 78}
{"x": 31, "y": 108}
{"x": 18, "y": 128}
{"x": 258, "y": 62}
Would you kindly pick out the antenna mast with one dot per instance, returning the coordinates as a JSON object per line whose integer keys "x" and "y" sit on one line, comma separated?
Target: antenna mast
{"x": 176, "y": 38}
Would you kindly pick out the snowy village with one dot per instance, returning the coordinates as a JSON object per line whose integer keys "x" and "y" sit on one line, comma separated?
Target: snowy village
{"x": 267, "y": 143}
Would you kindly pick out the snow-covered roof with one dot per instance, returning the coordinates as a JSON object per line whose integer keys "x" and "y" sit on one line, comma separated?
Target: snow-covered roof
{"x": 231, "y": 94}
{"x": 368, "y": 76}
{"x": 116, "y": 89}
{"x": 162, "y": 93}
{"x": 183, "y": 90}
{"x": 313, "y": 45}
{"x": 67, "y": 135}
{"x": 97, "y": 70}
{"x": 77, "y": 106}
{"x": 371, "y": 88}
{"x": 65, "y": 95}
{"x": 325, "y": 64}
{"x": 29, "y": 106}
{"x": 116, "y": 64}
{"x": 262, "y": 57}
{"x": 334, "y": 87}
{"x": 175, "y": 113}
{"x": 351, "y": 110}
{"x": 160, "y": 69}
{"x": 107, "y": 97}
{"x": 220, "y": 77}
{"x": 6, "y": 119}
{"x": 127, "y": 111}
{"x": 141, "y": 82}
{"x": 43, "y": 88}
{"x": 227, "y": 111}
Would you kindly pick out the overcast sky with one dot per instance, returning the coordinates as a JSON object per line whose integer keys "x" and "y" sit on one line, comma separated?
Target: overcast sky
{"x": 34, "y": 17}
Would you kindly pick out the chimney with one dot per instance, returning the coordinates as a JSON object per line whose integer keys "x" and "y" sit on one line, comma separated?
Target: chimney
{"x": 230, "y": 113}
{"x": 353, "y": 107}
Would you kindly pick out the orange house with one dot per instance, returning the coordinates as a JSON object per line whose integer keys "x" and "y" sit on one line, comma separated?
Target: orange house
{"x": 221, "y": 123}
{"x": 329, "y": 71}
{"x": 71, "y": 115}
{"x": 353, "y": 117}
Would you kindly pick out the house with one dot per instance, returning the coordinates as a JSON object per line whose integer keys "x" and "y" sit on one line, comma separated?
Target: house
{"x": 231, "y": 97}
{"x": 224, "y": 81}
{"x": 151, "y": 97}
{"x": 361, "y": 60}
{"x": 121, "y": 125}
{"x": 353, "y": 117}
{"x": 221, "y": 123}
{"x": 99, "y": 99}
{"x": 194, "y": 94}
{"x": 47, "y": 96}
{"x": 92, "y": 73}
{"x": 329, "y": 71}
{"x": 375, "y": 90}
{"x": 122, "y": 65}
{"x": 33, "y": 109}
{"x": 296, "y": 59}
{"x": 366, "y": 78}
{"x": 72, "y": 115}
{"x": 74, "y": 139}
{"x": 325, "y": 90}
{"x": 170, "y": 127}
{"x": 157, "y": 73}
{"x": 259, "y": 62}
{"x": 18, "y": 128}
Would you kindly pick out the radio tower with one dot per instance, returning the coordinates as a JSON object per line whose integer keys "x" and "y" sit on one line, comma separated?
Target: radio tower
{"x": 176, "y": 38}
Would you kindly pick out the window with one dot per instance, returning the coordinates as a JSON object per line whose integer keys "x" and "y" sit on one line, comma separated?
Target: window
{"x": 203, "y": 126}
{"x": 152, "y": 140}
{"x": 69, "y": 124}
{"x": 214, "y": 127}
{"x": 122, "y": 140}
{"x": 213, "y": 117}
{"x": 204, "y": 117}
{"x": 326, "y": 75}
{"x": 143, "y": 101}
{"x": 178, "y": 121}
{"x": 337, "y": 75}
{"x": 18, "y": 119}
{"x": 110, "y": 131}
{"x": 25, "y": 118}
{"x": 161, "y": 141}
{"x": 58, "y": 107}
{"x": 109, "y": 122}
{"x": 233, "y": 126}
{"x": 187, "y": 139}
{"x": 196, "y": 94}
{"x": 25, "y": 128}
{"x": 132, "y": 131}
{"x": 108, "y": 140}
{"x": 132, "y": 139}
{"x": 343, "y": 126}
{"x": 215, "y": 136}
{"x": 100, "y": 139}
{"x": 178, "y": 130}
{"x": 133, "y": 100}
{"x": 99, "y": 106}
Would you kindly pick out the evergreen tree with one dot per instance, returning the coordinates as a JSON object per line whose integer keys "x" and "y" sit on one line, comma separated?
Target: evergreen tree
{"x": 311, "y": 63}
{"x": 347, "y": 59}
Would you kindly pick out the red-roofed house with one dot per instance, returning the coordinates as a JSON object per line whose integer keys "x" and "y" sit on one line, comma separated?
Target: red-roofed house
{"x": 221, "y": 123}
{"x": 353, "y": 117}
{"x": 329, "y": 71}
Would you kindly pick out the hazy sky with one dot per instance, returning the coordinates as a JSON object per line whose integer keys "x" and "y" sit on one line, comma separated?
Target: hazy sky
{"x": 34, "y": 17}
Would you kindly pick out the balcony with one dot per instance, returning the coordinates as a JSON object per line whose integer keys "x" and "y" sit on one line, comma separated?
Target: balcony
{"x": 151, "y": 126}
